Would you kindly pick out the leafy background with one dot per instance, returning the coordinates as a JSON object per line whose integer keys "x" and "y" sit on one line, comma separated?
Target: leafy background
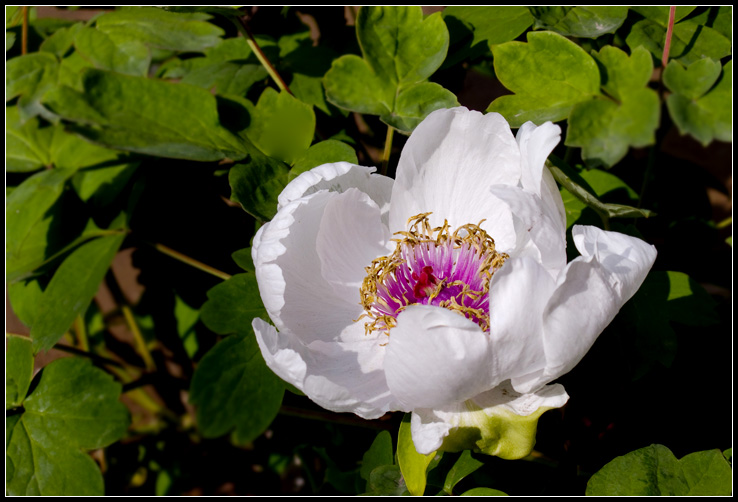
{"x": 145, "y": 146}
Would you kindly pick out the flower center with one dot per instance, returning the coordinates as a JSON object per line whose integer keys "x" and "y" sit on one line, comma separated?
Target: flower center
{"x": 431, "y": 266}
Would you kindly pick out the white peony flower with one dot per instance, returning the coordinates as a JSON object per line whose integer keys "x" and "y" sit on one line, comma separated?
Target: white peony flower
{"x": 444, "y": 292}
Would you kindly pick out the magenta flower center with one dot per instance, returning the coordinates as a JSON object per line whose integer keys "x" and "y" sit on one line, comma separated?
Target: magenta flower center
{"x": 432, "y": 266}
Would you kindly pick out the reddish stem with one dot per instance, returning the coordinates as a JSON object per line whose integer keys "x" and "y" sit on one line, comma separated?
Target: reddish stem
{"x": 669, "y": 31}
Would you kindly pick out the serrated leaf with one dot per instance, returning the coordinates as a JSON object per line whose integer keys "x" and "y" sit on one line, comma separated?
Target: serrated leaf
{"x": 18, "y": 370}
{"x": 186, "y": 32}
{"x": 129, "y": 57}
{"x": 465, "y": 465}
{"x": 709, "y": 117}
{"x": 606, "y": 129}
{"x": 71, "y": 289}
{"x": 399, "y": 49}
{"x": 281, "y": 126}
{"x": 412, "y": 464}
{"x": 549, "y": 75}
{"x": 587, "y": 22}
{"x": 232, "y": 305}
{"x": 147, "y": 116}
{"x": 74, "y": 406}
{"x": 234, "y": 389}
{"x": 379, "y": 453}
{"x": 654, "y": 470}
{"x": 256, "y": 184}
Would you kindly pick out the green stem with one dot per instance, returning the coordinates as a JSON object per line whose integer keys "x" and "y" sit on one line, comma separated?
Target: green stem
{"x": 81, "y": 332}
{"x": 387, "y": 149}
{"x": 243, "y": 27}
{"x": 143, "y": 349}
{"x": 191, "y": 261}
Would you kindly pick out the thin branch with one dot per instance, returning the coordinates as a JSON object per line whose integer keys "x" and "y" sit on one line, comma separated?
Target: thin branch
{"x": 669, "y": 32}
{"x": 387, "y": 149}
{"x": 24, "y": 31}
{"x": 191, "y": 261}
{"x": 243, "y": 27}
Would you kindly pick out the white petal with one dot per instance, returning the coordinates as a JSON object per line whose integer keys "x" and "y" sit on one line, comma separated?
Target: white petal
{"x": 436, "y": 357}
{"x": 536, "y": 144}
{"x": 518, "y": 294}
{"x": 339, "y": 376}
{"x": 351, "y": 235}
{"x": 338, "y": 177}
{"x": 448, "y": 164}
{"x": 589, "y": 293}
{"x": 288, "y": 271}
{"x": 536, "y": 226}
{"x": 453, "y": 424}
{"x": 628, "y": 259}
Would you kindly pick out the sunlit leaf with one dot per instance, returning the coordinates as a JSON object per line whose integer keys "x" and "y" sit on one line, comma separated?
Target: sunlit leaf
{"x": 465, "y": 465}
{"x": 412, "y": 464}
{"x": 588, "y": 22}
{"x": 549, "y": 75}
{"x": 74, "y": 406}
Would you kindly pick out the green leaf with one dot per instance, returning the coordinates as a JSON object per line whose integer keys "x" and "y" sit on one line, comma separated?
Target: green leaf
{"x": 708, "y": 117}
{"x": 719, "y": 18}
{"x": 61, "y": 40}
{"x": 102, "y": 185}
{"x": 18, "y": 370}
{"x": 147, "y": 116}
{"x": 74, "y": 406}
{"x": 256, "y": 184}
{"x": 129, "y": 57}
{"x": 232, "y": 305}
{"x": 325, "y": 152}
{"x": 378, "y": 454}
{"x": 465, "y": 465}
{"x": 399, "y": 49}
{"x": 690, "y": 41}
{"x": 654, "y": 470}
{"x": 660, "y": 14}
{"x": 26, "y": 144}
{"x": 226, "y": 78}
{"x": 483, "y": 492}
{"x": 692, "y": 81}
{"x": 587, "y": 22}
{"x": 30, "y": 76}
{"x": 387, "y": 480}
{"x": 243, "y": 259}
{"x": 415, "y": 102}
{"x": 606, "y": 130}
{"x": 399, "y": 44}
{"x": 29, "y": 220}
{"x": 412, "y": 464}
{"x": 549, "y": 75}
{"x": 622, "y": 74}
{"x": 281, "y": 125}
{"x": 491, "y": 25}
{"x": 186, "y": 32}
{"x": 71, "y": 289}
{"x": 234, "y": 389}
{"x": 25, "y": 297}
